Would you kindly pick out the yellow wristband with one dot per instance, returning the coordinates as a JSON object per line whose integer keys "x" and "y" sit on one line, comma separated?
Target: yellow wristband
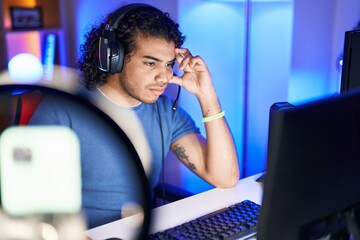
{"x": 213, "y": 117}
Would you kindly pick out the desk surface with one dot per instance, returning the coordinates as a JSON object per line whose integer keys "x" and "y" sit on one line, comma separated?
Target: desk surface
{"x": 181, "y": 211}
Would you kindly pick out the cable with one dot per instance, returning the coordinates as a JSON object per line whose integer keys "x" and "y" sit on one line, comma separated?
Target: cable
{"x": 174, "y": 107}
{"x": 162, "y": 155}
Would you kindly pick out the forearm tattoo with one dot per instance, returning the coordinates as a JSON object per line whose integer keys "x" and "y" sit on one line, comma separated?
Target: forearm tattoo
{"x": 180, "y": 153}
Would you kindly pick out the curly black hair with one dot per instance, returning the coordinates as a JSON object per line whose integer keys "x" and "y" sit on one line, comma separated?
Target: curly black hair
{"x": 149, "y": 22}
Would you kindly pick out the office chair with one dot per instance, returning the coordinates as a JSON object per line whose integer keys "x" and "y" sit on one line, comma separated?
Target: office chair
{"x": 17, "y": 106}
{"x": 26, "y": 104}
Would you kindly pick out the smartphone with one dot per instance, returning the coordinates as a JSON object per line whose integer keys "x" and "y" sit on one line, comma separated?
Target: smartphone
{"x": 40, "y": 170}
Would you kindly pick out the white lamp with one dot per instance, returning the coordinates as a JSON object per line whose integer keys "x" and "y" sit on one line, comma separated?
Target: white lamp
{"x": 25, "y": 68}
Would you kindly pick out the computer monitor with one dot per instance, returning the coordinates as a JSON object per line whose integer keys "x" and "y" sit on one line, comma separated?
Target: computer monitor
{"x": 312, "y": 184}
{"x": 350, "y": 76}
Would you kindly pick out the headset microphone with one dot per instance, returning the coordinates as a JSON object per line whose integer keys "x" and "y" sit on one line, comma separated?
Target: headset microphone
{"x": 176, "y": 102}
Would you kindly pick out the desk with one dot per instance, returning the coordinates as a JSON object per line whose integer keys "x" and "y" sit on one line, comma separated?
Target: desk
{"x": 181, "y": 211}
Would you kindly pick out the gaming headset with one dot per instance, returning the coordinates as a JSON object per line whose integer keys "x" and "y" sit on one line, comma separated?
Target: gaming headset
{"x": 111, "y": 50}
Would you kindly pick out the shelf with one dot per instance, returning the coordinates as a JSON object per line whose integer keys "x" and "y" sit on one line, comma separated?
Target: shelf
{"x": 29, "y": 30}
{"x": 49, "y": 10}
{"x": 14, "y": 41}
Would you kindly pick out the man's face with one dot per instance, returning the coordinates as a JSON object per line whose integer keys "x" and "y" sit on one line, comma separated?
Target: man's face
{"x": 145, "y": 77}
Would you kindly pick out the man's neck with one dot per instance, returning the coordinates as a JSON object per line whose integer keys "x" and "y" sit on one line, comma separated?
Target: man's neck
{"x": 114, "y": 95}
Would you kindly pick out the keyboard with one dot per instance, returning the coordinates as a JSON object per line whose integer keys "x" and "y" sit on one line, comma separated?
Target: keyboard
{"x": 238, "y": 221}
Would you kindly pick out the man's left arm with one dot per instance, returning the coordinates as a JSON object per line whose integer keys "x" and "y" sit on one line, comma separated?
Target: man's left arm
{"x": 214, "y": 159}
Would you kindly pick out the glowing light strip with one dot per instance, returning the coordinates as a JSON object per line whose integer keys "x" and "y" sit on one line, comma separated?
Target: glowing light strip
{"x": 49, "y": 56}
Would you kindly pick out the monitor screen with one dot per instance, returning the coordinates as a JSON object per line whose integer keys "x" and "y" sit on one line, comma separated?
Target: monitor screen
{"x": 350, "y": 76}
{"x": 313, "y": 169}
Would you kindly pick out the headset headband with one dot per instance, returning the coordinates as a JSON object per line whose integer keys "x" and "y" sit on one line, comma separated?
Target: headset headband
{"x": 113, "y": 22}
{"x": 111, "y": 50}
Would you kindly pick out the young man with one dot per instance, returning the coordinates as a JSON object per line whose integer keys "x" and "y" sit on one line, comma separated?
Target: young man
{"x": 128, "y": 61}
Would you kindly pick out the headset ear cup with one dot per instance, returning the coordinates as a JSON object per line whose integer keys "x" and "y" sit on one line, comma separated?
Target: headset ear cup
{"x": 117, "y": 58}
{"x": 111, "y": 53}
{"x": 103, "y": 54}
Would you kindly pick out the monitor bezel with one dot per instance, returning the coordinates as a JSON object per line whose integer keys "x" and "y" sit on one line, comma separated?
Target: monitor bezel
{"x": 351, "y": 57}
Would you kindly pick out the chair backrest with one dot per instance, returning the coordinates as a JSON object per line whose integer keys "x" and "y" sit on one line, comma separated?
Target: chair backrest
{"x": 27, "y": 103}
